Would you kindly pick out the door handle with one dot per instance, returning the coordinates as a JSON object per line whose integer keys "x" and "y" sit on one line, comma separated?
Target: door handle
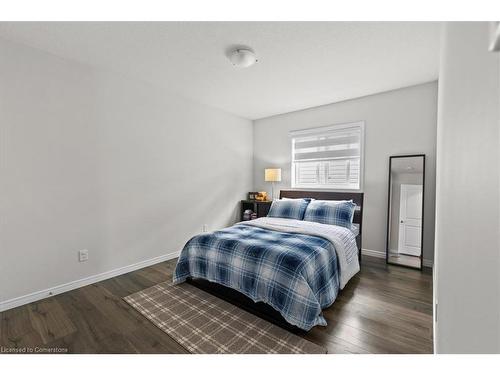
{"x": 402, "y": 221}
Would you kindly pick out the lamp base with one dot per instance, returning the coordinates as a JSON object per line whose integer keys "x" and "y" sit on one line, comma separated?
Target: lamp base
{"x": 273, "y": 197}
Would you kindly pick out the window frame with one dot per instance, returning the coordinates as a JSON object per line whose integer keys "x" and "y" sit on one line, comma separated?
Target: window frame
{"x": 322, "y": 130}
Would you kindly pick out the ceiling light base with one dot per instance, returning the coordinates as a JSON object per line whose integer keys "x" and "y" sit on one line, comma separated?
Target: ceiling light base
{"x": 242, "y": 58}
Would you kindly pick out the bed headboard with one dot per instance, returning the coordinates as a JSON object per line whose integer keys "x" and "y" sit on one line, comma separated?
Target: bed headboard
{"x": 357, "y": 198}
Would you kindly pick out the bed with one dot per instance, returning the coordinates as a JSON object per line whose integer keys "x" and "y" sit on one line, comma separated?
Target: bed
{"x": 282, "y": 269}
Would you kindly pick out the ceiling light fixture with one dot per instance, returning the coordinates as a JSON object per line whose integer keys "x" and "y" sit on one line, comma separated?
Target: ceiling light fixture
{"x": 242, "y": 58}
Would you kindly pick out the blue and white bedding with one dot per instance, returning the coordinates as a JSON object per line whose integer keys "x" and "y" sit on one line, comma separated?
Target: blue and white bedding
{"x": 289, "y": 208}
{"x": 338, "y": 213}
{"x": 297, "y": 267}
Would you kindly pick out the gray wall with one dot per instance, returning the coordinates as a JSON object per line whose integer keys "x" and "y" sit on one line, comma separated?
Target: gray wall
{"x": 92, "y": 160}
{"x": 396, "y": 122}
{"x": 467, "y": 277}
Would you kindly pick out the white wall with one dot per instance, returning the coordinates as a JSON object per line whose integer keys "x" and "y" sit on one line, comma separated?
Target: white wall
{"x": 92, "y": 160}
{"x": 467, "y": 280}
{"x": 396, "y": 122}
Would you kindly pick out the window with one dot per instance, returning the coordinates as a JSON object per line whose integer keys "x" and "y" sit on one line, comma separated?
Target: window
{"x": 328, "y": 157}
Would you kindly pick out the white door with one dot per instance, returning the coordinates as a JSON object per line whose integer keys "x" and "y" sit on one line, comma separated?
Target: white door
{"x": 410, "y": 219}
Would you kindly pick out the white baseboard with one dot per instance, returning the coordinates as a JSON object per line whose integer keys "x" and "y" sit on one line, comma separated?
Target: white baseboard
{"x": 373, "y": 253}
{"x": 36, "y": 296}
{"x": 381, "y": 254}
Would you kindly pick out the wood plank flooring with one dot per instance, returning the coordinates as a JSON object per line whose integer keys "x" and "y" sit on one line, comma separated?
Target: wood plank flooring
{"x": 383, "y": 309}
{"x": 405, "y": 260}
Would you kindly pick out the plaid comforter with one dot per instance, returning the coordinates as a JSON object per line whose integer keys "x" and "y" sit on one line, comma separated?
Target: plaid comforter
{"x": 297, "y": 274}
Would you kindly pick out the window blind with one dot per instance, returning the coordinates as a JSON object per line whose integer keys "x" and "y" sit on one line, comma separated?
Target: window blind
{"x": 328, "y": 157}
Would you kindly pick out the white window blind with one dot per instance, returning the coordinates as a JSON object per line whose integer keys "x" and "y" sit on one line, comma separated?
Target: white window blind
{"x": 328, "y": 157}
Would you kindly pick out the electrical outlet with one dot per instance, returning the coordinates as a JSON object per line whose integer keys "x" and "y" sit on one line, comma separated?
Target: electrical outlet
{"x": 204, "y": 229}
{"x": 83, "y": 255}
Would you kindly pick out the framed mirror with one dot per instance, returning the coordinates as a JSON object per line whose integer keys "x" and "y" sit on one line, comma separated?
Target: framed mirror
{"x": 405, "y": 213}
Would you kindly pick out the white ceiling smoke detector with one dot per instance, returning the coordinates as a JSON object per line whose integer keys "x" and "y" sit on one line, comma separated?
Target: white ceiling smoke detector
{"x": 242, "y": 58}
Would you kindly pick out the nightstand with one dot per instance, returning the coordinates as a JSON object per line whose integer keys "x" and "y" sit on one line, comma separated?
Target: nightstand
{"x": 261, "y": 208}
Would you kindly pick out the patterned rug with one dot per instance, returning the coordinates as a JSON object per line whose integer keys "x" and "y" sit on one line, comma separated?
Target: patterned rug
{"x": 205, "y": 324}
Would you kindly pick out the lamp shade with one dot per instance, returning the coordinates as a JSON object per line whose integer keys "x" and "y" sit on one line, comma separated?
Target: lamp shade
{"x": 272, "y": 174}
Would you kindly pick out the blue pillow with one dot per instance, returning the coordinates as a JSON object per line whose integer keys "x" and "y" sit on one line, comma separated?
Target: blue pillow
{"x": 333, "y": 213}
{"x": 289, "y": 208}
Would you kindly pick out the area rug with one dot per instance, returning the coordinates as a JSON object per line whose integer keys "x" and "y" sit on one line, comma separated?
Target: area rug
{"x": 205, "y": 324}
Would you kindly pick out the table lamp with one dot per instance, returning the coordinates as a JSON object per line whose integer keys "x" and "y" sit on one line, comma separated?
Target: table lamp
{"x": 272, "y": 175}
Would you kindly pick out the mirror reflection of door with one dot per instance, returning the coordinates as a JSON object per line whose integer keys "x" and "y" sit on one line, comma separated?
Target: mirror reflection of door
{"x": 410, "y": 219}
{"x": 405, "y": 212}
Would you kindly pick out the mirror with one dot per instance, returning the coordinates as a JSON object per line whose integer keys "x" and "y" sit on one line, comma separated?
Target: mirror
{"x": 405, "y": 223}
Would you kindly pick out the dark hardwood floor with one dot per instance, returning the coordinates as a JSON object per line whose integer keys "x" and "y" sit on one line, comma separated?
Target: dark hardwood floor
{"x": 383, "y": 309}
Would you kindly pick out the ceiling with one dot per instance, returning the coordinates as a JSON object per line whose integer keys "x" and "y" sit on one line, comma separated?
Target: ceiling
{"x": 301, "y": 64}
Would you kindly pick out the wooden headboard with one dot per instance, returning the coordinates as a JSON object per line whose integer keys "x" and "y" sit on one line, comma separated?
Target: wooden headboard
{"x": 357, "y": 198}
